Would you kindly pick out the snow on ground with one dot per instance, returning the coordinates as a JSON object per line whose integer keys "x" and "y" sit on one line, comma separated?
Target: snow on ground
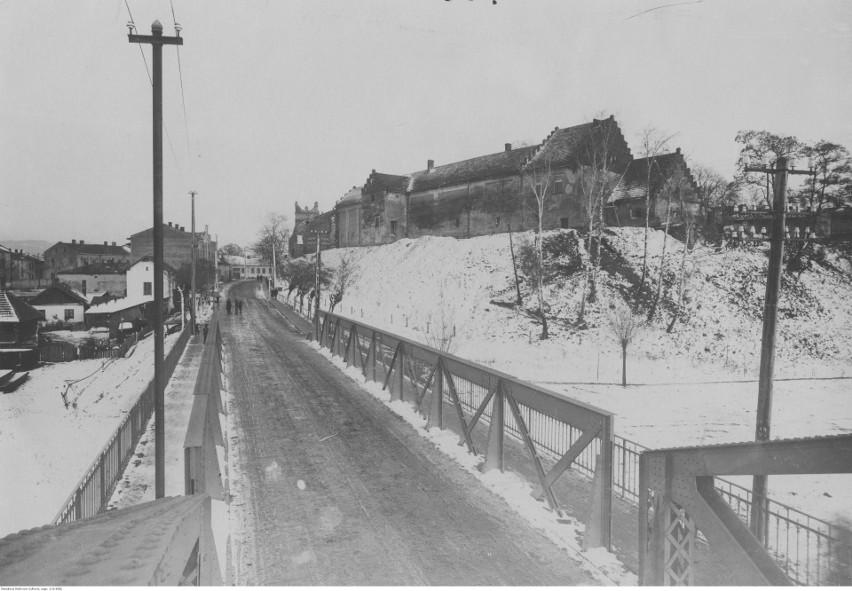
{"x": 694, "y": 386}
{"x": 47, "y": 447}
{"x": 75, "y": 337}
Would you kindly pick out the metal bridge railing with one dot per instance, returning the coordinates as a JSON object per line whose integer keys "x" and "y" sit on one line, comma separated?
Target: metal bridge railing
{"x": 810, "y": 550}
{"x": 684, "y": 500}
{"x": 546, "y": 422}
{"x": 93, "y": 492}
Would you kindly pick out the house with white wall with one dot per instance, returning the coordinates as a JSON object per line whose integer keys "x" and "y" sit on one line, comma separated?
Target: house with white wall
{"x": 59, "y": 304}
{"x": 140, "y": 281}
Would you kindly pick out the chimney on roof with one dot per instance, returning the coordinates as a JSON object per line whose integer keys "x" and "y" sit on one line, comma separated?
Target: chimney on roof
{"x": 183, "y": 228}
{"x": 508, "y": 147}
{"x": 374, "y": 171}
{"x": 113, "y": 243}
{"x": 170, "y": 224}
{"x": 82, "y": 242}
{"x": 316, "y": 205}
{"x": 430, "y": 164}
{"x": 677, "y": 151}
{"x": 73, "y": 241}
{"x": 105, "y": 243}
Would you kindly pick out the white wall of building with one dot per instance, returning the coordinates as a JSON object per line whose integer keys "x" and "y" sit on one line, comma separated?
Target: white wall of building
{"x": 142, "y": 273}
{"x": 56, "y": 313}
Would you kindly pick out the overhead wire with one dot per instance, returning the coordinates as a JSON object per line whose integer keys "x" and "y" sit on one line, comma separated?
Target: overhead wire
{"x": 182, "y": 95}
{"x": 151, "y": 81}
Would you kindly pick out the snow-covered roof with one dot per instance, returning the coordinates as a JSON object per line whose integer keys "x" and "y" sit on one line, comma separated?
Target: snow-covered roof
{"x": 120, "y": 304}
{"x": 14, "y": 309}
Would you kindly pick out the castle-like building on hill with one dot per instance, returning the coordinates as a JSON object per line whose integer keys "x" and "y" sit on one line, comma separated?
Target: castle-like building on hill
{"x": 494, "y": 193}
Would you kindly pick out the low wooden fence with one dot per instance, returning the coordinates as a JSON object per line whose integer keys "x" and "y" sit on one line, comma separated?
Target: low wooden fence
{"x": 541, "y": 419}
{"x": 92, "y": 493}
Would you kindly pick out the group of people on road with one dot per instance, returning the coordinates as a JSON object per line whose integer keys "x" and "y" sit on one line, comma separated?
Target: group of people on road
{"x": 237, "y": 305}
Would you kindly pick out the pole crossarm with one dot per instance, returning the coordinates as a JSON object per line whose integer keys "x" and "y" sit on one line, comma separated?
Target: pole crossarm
{"x": 155, "y": 39}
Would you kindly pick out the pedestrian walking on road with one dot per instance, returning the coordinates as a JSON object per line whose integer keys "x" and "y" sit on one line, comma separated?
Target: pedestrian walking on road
{"x": 204, "y": 331}
{"x": 228, "y": 305}
{"x": 240, "y": 303}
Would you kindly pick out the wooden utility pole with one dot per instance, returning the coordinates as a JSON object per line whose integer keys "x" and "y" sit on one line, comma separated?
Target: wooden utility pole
{"x": 192, "y": 296}
{"x": 760, "y": 514}
{"x": 317, "y": 288}
{"x": 156, "y": 40}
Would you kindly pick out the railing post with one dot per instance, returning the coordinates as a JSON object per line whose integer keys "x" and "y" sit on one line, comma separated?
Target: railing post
{"x": 103, "y": 478}
{"x": 494, "y": 457}
{"x": 606, "y": 481}
{"x": 436, "y": 406}
{"x": 401, "y": 371}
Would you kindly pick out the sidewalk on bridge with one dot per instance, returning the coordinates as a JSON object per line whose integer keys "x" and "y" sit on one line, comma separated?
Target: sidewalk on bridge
{"x": 138, "y": 482}
{"x": 573, "y": 490}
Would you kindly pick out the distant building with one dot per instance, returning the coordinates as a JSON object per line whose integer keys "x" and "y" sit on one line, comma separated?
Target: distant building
{"x": 247, "y": 268}
{"x": 308, "y": 224}
{"x": 20, "y": 270}
{"x": 64, "y": 256}
{"x": 652, "y": 178}
{"x": 95, "y": 279}
{"x": 177, "y": 245}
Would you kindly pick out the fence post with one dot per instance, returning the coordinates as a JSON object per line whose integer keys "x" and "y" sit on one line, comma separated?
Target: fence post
{"x": 103, "y": 477}
{"x": 494, "y": 458}
{"x": 436, "y": 406}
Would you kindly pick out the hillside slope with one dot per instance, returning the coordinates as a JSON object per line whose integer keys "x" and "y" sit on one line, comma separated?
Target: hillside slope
{"x": 415, "y": 286}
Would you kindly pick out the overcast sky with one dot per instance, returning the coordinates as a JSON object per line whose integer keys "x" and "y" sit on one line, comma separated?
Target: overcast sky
{"x": 298, "y": 101}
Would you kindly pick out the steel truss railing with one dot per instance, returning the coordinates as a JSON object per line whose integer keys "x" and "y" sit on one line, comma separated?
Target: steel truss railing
{"x": 809, "y": 549}
{"x": 683, "y": 496}
{"x": 547, "y": 423}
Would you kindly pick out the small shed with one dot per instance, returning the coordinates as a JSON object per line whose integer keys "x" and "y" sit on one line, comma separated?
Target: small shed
{"x": 113, "y": 313}
{"x": 18, "y": 331}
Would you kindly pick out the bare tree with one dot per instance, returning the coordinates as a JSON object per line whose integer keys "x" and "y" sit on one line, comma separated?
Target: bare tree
{"x": 673, "y": 189}
{"x": 344, "y": 277}
{"x": 623, "y": 326}
{"x": 831, "y": 186}
{"x": 441, "y": 327}
{"x": 654, "y": 143}
{"x": 538, "y": 174}
{"x": 504, "y": 202}
{"x": 763, "y": 146}
{"x": 273, "y": 234}
{"x": 597, "y": 180}
{"x": 713, "y": 189}
{"x": 687, "y": 247}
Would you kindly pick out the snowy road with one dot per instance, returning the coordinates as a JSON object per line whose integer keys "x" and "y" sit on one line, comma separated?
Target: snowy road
{"x": 334, "y": 489}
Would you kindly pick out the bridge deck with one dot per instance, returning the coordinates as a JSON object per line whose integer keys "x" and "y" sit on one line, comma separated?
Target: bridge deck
{"x": 334, "y": 489}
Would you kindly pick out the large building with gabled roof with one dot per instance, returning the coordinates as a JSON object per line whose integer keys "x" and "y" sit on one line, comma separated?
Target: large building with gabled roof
{"x": 63, "y": 256}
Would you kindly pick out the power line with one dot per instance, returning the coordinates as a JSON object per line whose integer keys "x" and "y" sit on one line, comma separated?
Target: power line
{"x": 151, "y": 81}
{"x": 182, "y": 94}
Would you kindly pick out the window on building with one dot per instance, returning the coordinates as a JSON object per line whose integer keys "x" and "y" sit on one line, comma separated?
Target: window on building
{"x": 636, "y": 213}
{"x": 393, "y": 227}
{"x": 564, "y": 223}
{"x": 378, "y": 219}
{"x": 497, "y": 220}
{"x": 146, "y": 288}
{"x": 558, "y": 186}
{"x": 69, "y": 314}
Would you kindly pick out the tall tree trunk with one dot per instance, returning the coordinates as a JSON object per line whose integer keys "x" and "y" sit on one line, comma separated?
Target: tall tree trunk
{"x": 641, "y": 285}
{"x": 682, "y": 278}
{"x": 624, "y": 364}
{"x": 540, "y": 287}
{"x": 515, "y": 266}
{"x": 656, "y": 302}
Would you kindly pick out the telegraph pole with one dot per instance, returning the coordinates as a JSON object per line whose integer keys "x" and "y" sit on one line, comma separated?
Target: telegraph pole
{"x": 317, "y": 289}
{"x": 759, "y": 514}
{"x": 192, "y": 297}
{"x": 156, "y": 40}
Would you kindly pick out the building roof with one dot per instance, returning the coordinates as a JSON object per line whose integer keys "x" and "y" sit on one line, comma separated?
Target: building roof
{"x": 352, "y": 196}
{"x": 59, "y": 293}
{"x": 147, "y": 259}
{"x": 119, "y": 305}
{"x": 99, "y": 249}
{"x": 166, "y": 227}
{"x": 663, "y": 167}
{"x": 14, "y": 309}
{"x": 571, "y": 146}
{"x": 98, "y": 269}
{"x": 379, "y": 181}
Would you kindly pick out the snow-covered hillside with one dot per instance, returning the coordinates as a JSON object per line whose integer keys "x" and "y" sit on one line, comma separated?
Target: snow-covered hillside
{"x": 695, "y": 385}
